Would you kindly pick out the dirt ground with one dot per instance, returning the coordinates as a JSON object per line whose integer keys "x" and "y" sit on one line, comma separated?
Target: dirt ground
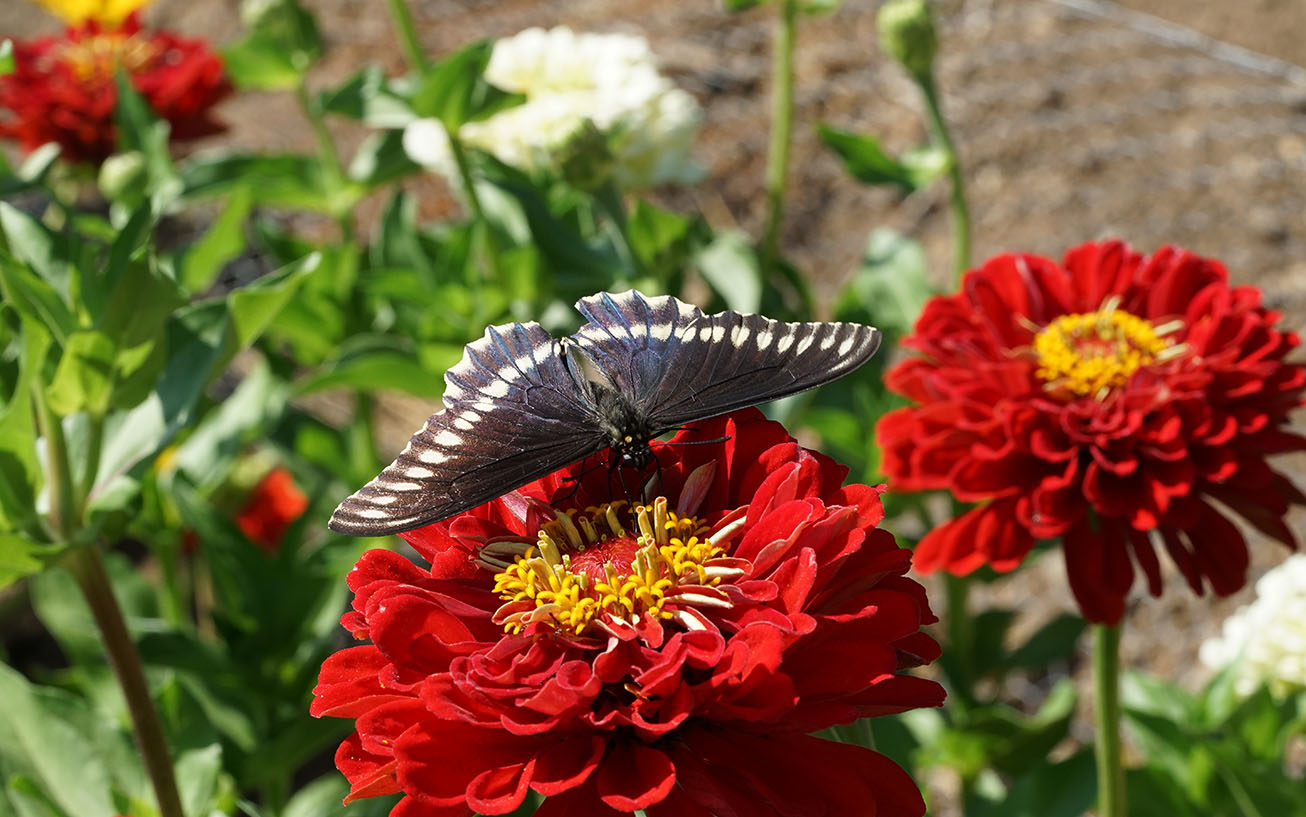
{"x": 1162, "y": 121}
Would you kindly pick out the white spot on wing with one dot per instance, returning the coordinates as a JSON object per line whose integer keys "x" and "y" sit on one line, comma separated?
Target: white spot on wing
{"x": 461, "y": 424}
{"x": 718, "y": 332}
{"x": 372, "y": 513}
{"x": 447, "y": 438}
{"x": 786, "y": 340}
{"x": 433, "y": 456}
{"x": 847, "y": 345}
{"x": 661, "y": 331}
{"x": 384, "y": 499}
{"x": 828, "y": 340}
{"x": 764, "y": 338}
{"x": 403, "y": 486}
{"x": 705, "y": 333}
{"x": 805, "y": 343}
{"x": 496, "y": 388}
{"x": 418, "y": 472}
{"x": 739, "y": 335}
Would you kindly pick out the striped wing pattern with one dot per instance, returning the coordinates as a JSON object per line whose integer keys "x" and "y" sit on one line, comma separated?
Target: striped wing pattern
{"x": 521, "y": 404}
{"x": 728, "y": 361}
{"x": 513, "y": 413}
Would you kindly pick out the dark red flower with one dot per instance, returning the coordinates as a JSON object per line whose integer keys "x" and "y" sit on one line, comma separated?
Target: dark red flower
{"x": 1106, "y": 401}
{"x": 62, "y": 89}
{"x": 271, "y": 508}
{"x": 671, "y": 659}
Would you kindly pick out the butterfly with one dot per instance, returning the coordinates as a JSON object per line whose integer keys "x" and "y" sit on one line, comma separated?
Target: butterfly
{"x": 522, "y": 404}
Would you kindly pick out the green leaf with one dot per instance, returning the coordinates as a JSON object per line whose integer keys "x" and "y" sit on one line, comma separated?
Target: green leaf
{"x": 7, "y": 65}
{"x": 381, "y": 159}
{"x": 730, "y": 266}
{"x": 819, "y": 8}
{"x": 352, "y": 98}
{"x": 141, "y": 130}
{"x": 286, "y": 180}
{"x": 28, "y": 800}
{"x": 454, "y": 90}
{"x": 283, "y": 45}
{"x": 891, "y": 286}
{"x": 1053, "y": 642}
{"x": 19, "y": 558}
{"x": 664, "y": 241}
{"x": 1066, "y": 789}
{"x": 224, "y": 241}
{"x": 32, "y": 243}
{"x": 197, "y": 773}
{"x": 743, "y": 5}
{"x": 20, "y": 470}
{"x": 31, "y": 173}
{"x": 207, "y": 454}
{"x": 375, "y": 370}
{"x": 35, "y": 298}
{"x": 45, "y": 747}
{"x": 253, "y": 307}
{"x": 85, "y": 376}
{"x": 868, "y": 162}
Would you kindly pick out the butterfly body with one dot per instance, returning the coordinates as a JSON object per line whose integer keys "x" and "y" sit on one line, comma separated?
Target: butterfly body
{"x": 522, "y": 404}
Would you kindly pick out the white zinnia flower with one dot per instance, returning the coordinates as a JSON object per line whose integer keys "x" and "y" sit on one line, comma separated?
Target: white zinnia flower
{"x": 1266, "y": 640}
{"x": 611, "y": 80}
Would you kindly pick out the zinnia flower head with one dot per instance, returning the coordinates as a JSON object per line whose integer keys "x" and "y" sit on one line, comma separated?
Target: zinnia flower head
{"x": 63, "y": 90}
{"x": 1111, "y": 400}
{"x": 1266, "y": 640}
{"x": 672, "y": 656}
{"x": 609, "y": 80}
{"x": 274, "y": 504}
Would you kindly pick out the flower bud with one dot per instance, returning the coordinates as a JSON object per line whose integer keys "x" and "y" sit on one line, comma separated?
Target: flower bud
{"x": 122, "y": 176}
{"x": 907, "y": 34}
{"x": 584, "y": 159}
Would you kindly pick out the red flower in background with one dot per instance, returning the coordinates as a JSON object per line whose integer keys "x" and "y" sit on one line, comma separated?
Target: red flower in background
{"x": 62, "y": 89}
{"x": 673, "y": 658}
{"x": 1106, "y": 401}
{"x": 272, "y": 506}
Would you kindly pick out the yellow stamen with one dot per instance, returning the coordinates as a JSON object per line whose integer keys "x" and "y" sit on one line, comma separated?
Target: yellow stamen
{"x": 1092, "y": 353}
{"x": 670, "y": 555}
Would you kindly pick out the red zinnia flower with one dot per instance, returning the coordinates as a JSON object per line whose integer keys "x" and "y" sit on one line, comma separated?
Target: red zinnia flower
{"x": 671, "y": 659}
{"x": 62, "y": 89}
{"x": 1106, "y": 401}
{"x": 271, "y": 508}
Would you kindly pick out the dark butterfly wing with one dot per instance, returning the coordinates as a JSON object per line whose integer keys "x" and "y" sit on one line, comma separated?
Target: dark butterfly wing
{"x": 730, "y": 360}
{"x": 630, "y": 337}
{"x": 513, "y": 413}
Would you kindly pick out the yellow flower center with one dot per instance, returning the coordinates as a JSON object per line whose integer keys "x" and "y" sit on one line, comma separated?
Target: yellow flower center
{"x": 1092, "y": 353}
{"x": 609, "y": 566}
{"x": 75, "y": 12}
{"x": 99, "y": 55}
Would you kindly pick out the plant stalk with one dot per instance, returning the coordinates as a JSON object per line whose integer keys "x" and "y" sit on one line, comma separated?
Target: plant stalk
{"x": 489, "y": 247}
{"x": 942, "y": 137}
{"x": 87, "y": 565}
{"x": 1108, "y": 748}
{"x": 62, "y": 492}
{"x": 782, "y": 123}
{"x": 407, "y": 32}
{"x": 326, "y": 147}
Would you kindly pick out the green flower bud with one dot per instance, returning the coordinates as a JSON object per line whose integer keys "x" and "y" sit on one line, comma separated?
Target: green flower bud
{"x": 907, "y": 34}
{"x": 122, "y": 176}
{"x": 584, "y": 158}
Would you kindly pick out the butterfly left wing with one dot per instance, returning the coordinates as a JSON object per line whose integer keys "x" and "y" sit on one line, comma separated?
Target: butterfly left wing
{"x": 513, "y": 413}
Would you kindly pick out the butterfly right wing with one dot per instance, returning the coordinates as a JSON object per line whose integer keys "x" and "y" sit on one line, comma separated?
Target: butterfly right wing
{"x": 513, "y": 413}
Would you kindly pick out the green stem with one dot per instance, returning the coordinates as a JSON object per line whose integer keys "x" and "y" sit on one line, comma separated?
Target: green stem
{"x": 957, "y": 204}
{"x": 782, "y": 123}
{"x": 326, "y": 147}
{"x": 490, "y": 248}
{"x": 403, "y": 23}
{"x": 87, "y": 566}
{"x": 1106, "y": 688}
{"x": 609, "y": 200}
{"x": 961, "y": 635}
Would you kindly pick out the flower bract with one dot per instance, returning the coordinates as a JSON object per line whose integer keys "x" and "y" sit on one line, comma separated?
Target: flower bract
{"x": 670, "y": 655}
{"x": 1119, "y": 402}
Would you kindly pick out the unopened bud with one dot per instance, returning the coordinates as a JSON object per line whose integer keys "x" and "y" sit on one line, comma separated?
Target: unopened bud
{"x": 584, "y": 159}
{"x": 907, "y": 34}
{"x": 122, "y": 175}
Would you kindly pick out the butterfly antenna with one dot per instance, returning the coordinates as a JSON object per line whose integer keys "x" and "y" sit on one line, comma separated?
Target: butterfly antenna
{"x": 694, "y": 442}
{"x": 575, "y": 482}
